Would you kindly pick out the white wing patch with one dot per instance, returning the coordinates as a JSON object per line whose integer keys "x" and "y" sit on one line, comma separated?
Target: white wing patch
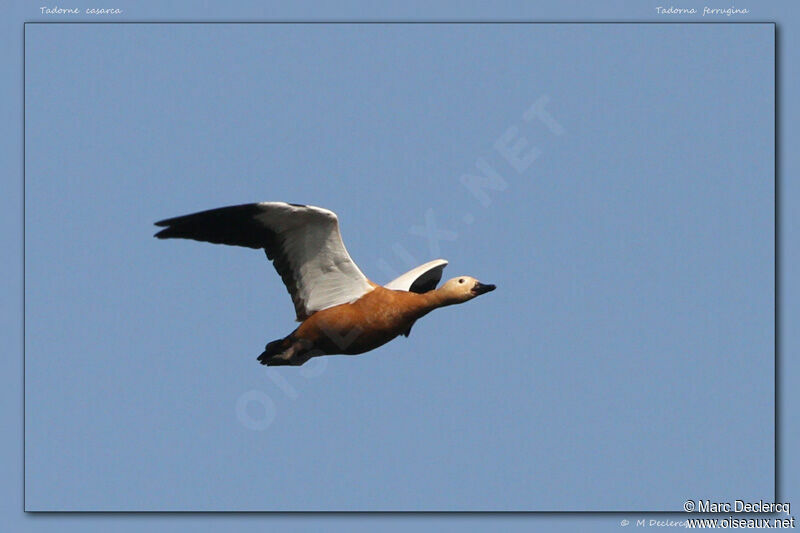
{"x": 421, "y": 279}
{"x": 325, "y": 274}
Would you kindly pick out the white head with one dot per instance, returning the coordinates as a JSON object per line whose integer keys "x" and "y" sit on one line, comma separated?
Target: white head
{"x": 463, "y": 288}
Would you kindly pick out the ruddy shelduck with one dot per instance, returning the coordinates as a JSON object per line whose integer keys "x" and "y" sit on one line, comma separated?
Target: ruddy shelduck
{"x": 340, "y": 310}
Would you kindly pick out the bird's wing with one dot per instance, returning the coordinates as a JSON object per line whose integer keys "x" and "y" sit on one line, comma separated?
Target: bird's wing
{"x": 424, "y": 278}
{"x": 303, "y": 243}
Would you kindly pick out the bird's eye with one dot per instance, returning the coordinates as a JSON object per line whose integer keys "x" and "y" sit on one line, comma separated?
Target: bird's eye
{"x": 461, "y": 280}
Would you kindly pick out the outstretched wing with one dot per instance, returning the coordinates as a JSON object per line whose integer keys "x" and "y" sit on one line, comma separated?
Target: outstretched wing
{"x": 303, "y": 242}
{"x": 424, "y": 278}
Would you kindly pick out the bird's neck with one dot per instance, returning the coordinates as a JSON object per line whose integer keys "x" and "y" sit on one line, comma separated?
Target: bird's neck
{"x": 434, "y": 299}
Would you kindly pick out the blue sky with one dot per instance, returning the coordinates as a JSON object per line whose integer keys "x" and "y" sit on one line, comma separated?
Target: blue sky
{"x": 630, "y": 334}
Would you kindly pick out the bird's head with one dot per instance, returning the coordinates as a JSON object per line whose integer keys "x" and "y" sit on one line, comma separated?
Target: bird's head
{"x": 463, "y": 288}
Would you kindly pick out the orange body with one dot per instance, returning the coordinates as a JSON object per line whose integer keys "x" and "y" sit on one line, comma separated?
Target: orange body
{"x": 377, "y": 317}
{"x": 371, "y": 321}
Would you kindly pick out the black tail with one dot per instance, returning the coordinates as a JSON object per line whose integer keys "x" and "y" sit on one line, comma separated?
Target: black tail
{"x": 287, "y": 351}
{"x": 273, "y": 349}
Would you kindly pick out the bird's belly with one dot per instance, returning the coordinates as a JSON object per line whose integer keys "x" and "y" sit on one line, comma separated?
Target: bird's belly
{"x": 367, "y": 341}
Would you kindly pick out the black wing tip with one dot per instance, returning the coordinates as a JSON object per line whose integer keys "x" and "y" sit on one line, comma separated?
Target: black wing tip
{"x": 169, "y": 229}
{"x": 162, "y": 234}
{"x": 167, "y": 233}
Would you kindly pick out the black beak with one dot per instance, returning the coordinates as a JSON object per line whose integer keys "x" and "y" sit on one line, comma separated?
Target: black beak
{"x": 482, "y": 288}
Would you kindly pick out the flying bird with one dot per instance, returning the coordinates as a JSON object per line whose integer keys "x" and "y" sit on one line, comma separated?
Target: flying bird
{"x": 340, "y": 311}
